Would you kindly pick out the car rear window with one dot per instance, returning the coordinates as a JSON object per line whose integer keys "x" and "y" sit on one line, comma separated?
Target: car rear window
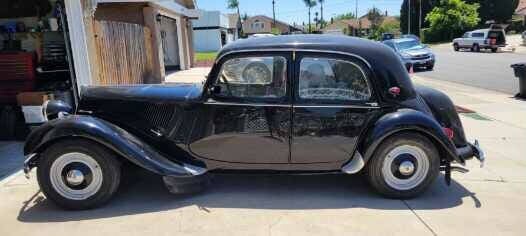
{"x": 332, "y": 79}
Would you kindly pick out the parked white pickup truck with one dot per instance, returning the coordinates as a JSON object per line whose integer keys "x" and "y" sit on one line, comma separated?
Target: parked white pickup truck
{"x": 492, "y": 38}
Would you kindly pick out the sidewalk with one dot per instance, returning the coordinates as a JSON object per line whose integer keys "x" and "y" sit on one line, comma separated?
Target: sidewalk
{"x": 498, "y": 106}
{"x": 487, "y": 201}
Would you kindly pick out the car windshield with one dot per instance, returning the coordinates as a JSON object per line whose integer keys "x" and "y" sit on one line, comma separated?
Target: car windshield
{"x": 408, "y": 45}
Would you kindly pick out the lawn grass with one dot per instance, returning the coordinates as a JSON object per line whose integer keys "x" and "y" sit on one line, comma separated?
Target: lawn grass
{"x": 205, "y": 56}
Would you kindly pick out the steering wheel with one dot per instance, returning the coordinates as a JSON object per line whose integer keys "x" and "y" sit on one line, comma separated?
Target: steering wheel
{"x": 225, "y": 81}
{"x": 256, "y": 72}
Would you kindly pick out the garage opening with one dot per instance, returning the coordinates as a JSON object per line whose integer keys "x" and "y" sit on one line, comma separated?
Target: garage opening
{"x": 170, "y": 44}
{"x": 35, "y": 63}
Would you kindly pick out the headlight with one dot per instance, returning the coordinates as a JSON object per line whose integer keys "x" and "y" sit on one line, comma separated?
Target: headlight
{"x": 405, "y": 55}
{"x": 55, "y": 109}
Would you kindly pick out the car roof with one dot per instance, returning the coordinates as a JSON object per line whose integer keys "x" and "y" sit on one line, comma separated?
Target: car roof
{"x": 480, "y": 31}
{"x": 299, "y": 41}
{"x": 403, "y": 40}
{"x": 382, "y": 60}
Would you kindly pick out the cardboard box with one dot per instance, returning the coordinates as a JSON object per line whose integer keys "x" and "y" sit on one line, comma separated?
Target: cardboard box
{"x": 33, "y": 114}
{"x": 33, "y": 98}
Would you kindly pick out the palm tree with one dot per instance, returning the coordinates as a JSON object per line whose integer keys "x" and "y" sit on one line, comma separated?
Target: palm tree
{"x": 234, "y": 4}
{"x": 310, "y": 4}
{"x": 321, "y": 11}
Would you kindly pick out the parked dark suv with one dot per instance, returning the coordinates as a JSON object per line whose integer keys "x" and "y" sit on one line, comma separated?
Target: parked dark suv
{"x": 286, "y": 104}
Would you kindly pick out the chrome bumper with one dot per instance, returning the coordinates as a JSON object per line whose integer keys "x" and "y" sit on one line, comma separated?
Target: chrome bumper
{"x": 29, "y": 163}
{"x": 471, "y": 150}
{"x": 478, "y": 152}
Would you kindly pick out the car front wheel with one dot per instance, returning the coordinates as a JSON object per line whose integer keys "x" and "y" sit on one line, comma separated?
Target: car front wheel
{"x": 403, "y": 166}
{"x": 456, "y": 47}
{"x": 78, "y": 174}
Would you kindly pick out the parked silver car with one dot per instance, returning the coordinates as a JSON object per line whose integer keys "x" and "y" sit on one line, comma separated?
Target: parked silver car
{"x": 412, "y": 52}
{"x": 492, "y": 39}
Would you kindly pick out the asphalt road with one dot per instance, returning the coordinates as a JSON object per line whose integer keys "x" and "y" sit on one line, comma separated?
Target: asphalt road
{"x": 485, "y": 70}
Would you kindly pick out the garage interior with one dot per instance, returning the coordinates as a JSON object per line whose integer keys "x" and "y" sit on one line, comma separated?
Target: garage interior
{"x": 110, "y": 43}
{"x": 34, "y": 65}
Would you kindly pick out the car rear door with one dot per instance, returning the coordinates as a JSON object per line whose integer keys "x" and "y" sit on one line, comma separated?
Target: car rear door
{"x": 333, "y": 104}
{"x": 248, "y": 116}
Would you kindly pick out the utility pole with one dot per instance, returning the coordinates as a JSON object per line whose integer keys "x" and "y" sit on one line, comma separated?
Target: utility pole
{"x": 356, "y": 9}
{"x": 356, "y": 18}
{"x": 408, "y": 16}
{"x": 322, "y": 22}
{"x": 274, "y": 11}
{"x": 420, "y": 20}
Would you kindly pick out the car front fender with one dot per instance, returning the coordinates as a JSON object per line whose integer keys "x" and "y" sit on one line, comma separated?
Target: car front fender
{"x": 408, "y": 120}
{"x": 113, "y": 137}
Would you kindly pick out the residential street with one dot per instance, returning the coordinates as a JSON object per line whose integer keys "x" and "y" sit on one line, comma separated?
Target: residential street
{"x": 485, "y": 69}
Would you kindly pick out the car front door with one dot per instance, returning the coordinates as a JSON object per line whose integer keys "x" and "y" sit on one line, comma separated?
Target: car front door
{"x": 248, "y": 111}
{"x": 333, "y": 103}
{"x": 467, "y": 40}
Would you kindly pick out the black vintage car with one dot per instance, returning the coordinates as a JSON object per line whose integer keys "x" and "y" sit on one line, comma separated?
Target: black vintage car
{"x": 293, "y": 104}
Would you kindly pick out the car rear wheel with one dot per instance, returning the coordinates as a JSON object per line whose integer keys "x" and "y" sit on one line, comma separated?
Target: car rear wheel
{"x": 475, "y": 48}
{"x": 494, "y": 50}
{"x": 403, "y": 166}
{"x": 78, "y": 174}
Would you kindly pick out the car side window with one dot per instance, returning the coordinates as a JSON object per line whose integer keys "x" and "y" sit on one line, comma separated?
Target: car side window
{"x": 253, "y": 77}
{"x": 332, "y": 79}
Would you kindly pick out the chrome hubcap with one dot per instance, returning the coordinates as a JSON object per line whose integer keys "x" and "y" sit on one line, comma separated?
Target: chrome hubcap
{"x": 75, "y": 177}
{"x": 406, "y": 168}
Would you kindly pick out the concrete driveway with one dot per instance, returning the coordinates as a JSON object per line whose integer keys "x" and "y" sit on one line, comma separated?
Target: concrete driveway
{"x": 11, "y": 159}
{"x": 488, "y": 201}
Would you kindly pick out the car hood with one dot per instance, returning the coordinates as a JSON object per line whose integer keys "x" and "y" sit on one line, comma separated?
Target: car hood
{"x": 167, "y": 93}
{"x": 417, "y": 52}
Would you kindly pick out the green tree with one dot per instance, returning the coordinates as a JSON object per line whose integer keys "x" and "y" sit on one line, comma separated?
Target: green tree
{"x": 375, "y": 17}
{"x": 234, "y": 4}
{"x": 392, "y": 27}
{"x": 322, "y": 20}
{"x": 451, "y": 18}
{"x": 345, "y": 16}
{"x": 310, "y": 4}
{"x": 500, "y": 11}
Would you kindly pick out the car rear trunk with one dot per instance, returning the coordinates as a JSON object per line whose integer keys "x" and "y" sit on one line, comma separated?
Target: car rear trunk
{"x": 497, "y": 37}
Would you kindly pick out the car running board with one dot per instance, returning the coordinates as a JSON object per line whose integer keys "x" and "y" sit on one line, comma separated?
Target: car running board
{"x": 355, "y": 165}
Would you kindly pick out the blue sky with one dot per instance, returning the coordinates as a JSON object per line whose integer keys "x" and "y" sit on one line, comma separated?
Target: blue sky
{"x": 295, "y": 11}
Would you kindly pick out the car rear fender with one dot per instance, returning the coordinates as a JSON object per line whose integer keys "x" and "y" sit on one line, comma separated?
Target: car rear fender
{"x": 109, "y": 135}
{"x": 408, "y": 120}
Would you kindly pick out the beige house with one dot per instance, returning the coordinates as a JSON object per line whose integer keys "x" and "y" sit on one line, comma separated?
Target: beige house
{"x": 354, "y": 27}
{"x": 129, "y": 41}
{"x": 263, "y": 25}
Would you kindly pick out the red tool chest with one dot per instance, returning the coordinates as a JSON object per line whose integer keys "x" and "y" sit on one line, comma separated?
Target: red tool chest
{"x": 17, "y": 74}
